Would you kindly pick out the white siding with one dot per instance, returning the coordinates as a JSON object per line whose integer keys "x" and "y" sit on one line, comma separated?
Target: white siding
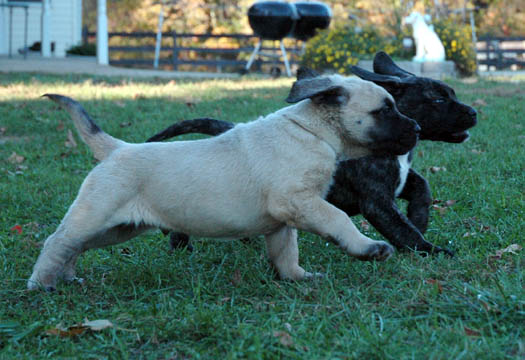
{"x": 66, "y": 26}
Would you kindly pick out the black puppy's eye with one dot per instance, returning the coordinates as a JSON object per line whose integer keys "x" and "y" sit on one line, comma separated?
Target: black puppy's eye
{"x": 438, "y": 101}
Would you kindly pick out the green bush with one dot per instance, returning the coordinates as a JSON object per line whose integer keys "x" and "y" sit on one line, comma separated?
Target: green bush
{"x": 459, "y": 47}
{"x": 339, "y": 48}
{"x": 84, "y": 49}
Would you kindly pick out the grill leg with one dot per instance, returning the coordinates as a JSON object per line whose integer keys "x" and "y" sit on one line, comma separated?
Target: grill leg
{"x": 253, "y": 55}
{"x": 285, "y": 58}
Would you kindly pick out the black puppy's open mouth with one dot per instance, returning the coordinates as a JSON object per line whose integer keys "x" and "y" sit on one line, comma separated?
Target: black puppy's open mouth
{"x": 459, "y": 137}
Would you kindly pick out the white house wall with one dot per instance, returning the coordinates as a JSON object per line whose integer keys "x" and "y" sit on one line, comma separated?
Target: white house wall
{"x": 65, "y": 31}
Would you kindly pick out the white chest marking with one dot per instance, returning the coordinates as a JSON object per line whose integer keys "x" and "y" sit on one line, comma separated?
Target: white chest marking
{"x": 404, "y": 166}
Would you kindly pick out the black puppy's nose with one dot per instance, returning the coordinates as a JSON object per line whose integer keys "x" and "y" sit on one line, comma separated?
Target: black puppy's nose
{"x": 472, "y": 112}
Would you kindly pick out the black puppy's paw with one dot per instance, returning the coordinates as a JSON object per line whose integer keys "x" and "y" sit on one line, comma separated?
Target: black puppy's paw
{"x": 445, "y": 251}
{"x": 379, "y": 251}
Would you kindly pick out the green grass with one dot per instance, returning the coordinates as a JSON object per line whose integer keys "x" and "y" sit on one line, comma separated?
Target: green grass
{"x": 223, "y": 301}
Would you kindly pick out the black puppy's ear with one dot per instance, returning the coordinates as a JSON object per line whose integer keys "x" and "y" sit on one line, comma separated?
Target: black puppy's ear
{"x": 392, "y": 84}
{"x": 383, "y": 64}
{"x": 306, "y": 73}
{"x": 320, "y": 90}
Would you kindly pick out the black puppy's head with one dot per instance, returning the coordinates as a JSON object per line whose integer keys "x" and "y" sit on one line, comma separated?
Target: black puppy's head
{"x": 432, "y": 103}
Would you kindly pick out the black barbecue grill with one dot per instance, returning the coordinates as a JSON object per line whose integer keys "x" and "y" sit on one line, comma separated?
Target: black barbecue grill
{"x": 275, "y": 20}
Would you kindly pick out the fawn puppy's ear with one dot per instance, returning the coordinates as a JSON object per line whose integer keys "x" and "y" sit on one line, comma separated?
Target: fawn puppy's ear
{"x": 321, "y": 90}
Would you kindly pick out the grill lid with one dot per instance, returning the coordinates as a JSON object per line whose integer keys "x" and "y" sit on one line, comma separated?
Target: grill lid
{"x": 272, "y": 20}
{"x": 312, "y": 16}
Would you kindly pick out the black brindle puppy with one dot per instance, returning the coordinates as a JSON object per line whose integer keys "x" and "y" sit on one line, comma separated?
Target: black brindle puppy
{"x": 370, "y": 185}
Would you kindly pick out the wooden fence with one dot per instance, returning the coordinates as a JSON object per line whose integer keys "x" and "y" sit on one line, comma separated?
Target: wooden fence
{"x": 190, "y": 50}
{"x": 186, "y": 49}
{"x": 501, "y": 52}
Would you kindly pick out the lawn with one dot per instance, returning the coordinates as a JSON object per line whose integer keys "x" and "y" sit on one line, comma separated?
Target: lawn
{"x": 223, "y": 300}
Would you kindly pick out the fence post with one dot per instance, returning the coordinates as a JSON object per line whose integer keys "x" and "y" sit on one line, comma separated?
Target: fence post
{"x": 84, "y": 34}
{"x": 175, "y": 50}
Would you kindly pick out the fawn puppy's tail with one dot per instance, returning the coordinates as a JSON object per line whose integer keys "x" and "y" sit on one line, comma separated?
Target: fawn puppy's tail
{"x": 98, "y": 141}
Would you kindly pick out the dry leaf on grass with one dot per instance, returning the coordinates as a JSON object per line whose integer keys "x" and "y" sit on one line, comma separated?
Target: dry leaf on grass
{"x": 236, "y": 277}
{"x": 94, "y": 325}
{"x": 450, "y": 202}
{"x": 120, "y": 104}
{"x": 476, "y": 151}
{"x": 441, "y": 209}
{"x": 3, "y": 130}
{"x": 479, "y": 102}
{"x": 365, "y": 225}
{"x": 60, "y": 126}
{"x": 97, "y": 325}
{"x": 70, "y": 142}
{"x": 15, "y": 158}
{"x": 125, "y": 124}
{"x": 512, "y": 249}
{"x": 435, "y": 169}
{"x": 435, "y": 283}
{"x": 471, "y": 332}
{"x": 284, "y": 338}
{"x": 469, "y": 234}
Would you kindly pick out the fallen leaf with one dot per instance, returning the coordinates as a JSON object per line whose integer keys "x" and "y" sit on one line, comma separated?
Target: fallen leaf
{"x": 450, "y": 202}
{"x": 441, "y": 209}
{"x": 15, "y": 158}
{"x": 20, "y": 168}
{"x": 236, "y": 277}
{"x": 69, "y": 332}
{"x": 190, "y": 104}
{"x": 138, "y": 96}
{"x": 512, "y": 249}
{"x": 125, "y": 251}
{"x": 288, "y": 327}
{"x": 420, "y": 153}
{"x": 125, "y": 124}
{"x": 471, "y": 332}
{"x": 3, "y": 130}
{"x": 94, "y": 325}
{"x": 284, "y": 338}
{"x": 120, "y": 104}
{"x": 435, "y": 169}
{"x": 97, "y": 325}
{"x": 60, "y": 126}
{"x": 365, "y": 225}
{"x": 469, "y": 234}
{"x": 70, "y": 142}
{"x": 435, "y": 283}
{"x": 479, "y": 102}
{"x": 476, "y": 151}
{"x": 16, "y": 228}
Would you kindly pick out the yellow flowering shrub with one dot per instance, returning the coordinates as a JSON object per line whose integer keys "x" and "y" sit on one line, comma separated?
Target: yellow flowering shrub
{"x": 341, "y": 47}
{"x": 457, "y": 39}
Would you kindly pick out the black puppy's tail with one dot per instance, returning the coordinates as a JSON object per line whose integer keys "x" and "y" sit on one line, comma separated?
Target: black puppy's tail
{"x": 206, "y": 126}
